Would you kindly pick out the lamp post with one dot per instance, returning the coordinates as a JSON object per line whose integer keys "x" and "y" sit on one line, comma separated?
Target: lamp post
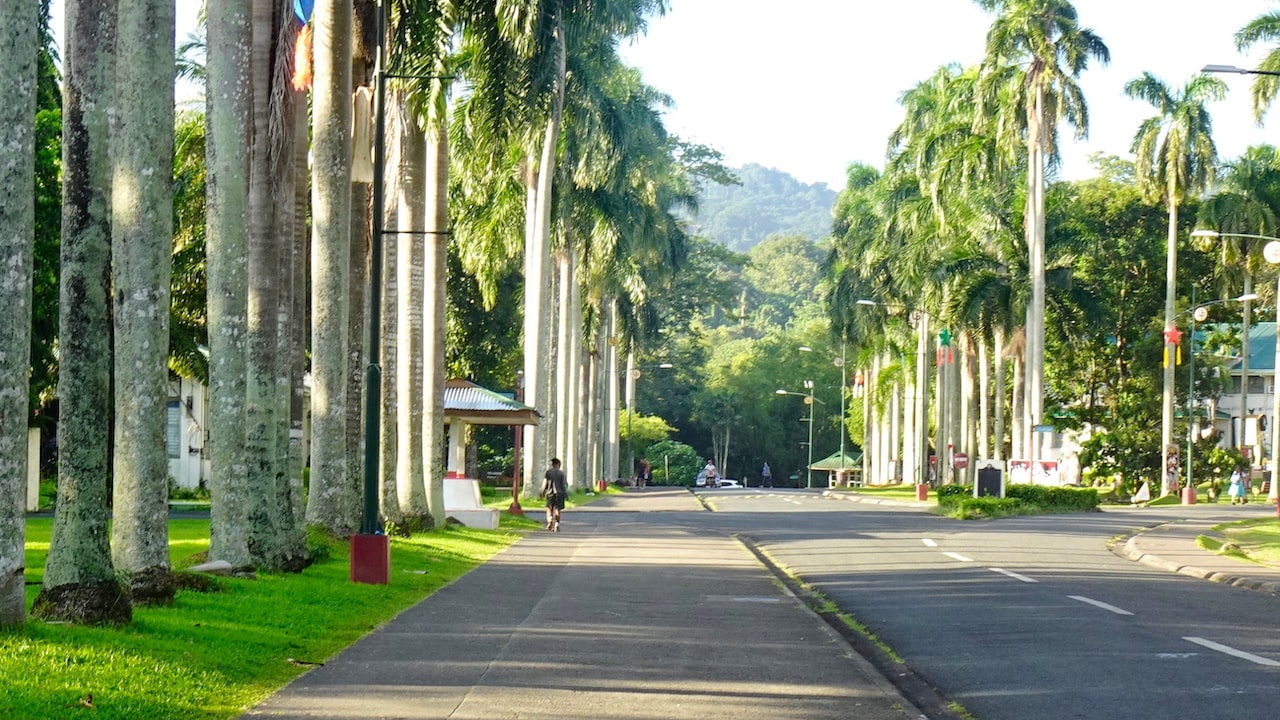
{"x": 631, "y": 401}
{"x": 514, "y": 508}
{"x": 1198, "y": 313}
{"x": 1235, "y": 70}
{"x": 809, "y": 400}
{"x": 1271, "y": 251}
{"x": 921, "y": 318}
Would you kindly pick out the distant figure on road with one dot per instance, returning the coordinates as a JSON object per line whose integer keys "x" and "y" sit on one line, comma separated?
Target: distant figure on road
{"x": 554, "y": 490}
{"x": 766, "y": 476}
{"x": 710, "y": 470}
{"x": 646, "y": 472}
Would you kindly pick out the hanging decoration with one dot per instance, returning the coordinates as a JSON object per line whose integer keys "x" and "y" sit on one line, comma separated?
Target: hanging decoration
{"x": 303, "y": 9}
{"x": 1172, "y": 336}
{"x": 944, "y": 347}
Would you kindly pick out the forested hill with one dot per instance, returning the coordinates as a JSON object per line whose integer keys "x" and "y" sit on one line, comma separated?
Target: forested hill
{"x": 768, "y": 202}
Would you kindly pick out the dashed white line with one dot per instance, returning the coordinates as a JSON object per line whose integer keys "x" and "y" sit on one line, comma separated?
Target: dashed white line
{"x": 1228, "y": 650}
{"x": 928, "y": 542}
{"x": 1014, "y": 575}
{"x": 958, "y": 556}
{"x": 1100, "y": 604}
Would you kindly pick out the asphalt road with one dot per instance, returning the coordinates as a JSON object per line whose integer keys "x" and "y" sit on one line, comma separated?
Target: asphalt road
{"x": 1027, "y": 617}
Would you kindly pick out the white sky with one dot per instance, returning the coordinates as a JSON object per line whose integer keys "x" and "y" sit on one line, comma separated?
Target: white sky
{"x": 809, "y": 86}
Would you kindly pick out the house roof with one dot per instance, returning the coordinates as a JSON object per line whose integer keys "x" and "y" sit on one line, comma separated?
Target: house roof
{"x": 852, "y": 459}
{"x": 467, "y": 402}
{"x": 1262, "y": 347}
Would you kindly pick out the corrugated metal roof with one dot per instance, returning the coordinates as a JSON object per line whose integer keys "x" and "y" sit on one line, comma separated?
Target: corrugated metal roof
{"x": 476, "y": 405}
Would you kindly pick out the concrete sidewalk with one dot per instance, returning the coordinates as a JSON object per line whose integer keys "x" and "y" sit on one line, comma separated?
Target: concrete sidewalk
{"x": 1172, "y": 547}
{"x": 627, "y": 613}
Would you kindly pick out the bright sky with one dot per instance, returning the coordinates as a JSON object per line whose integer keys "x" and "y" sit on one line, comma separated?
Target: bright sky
{"x": 809, "y": 86}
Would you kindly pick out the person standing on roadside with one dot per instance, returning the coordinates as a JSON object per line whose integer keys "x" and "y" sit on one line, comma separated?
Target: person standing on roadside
{"x": 766, "y": 476}
{"x": 554, "y": 491}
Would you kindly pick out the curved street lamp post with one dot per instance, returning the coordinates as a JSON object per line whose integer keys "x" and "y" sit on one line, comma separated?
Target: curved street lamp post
{"x": 1198, "y": 313}
{"x": 809, "y": 400}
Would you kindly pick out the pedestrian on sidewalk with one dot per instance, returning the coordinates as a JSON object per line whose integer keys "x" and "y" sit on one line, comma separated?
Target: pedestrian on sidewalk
{"x": 554, "y": 491}
{"x": 766, "y": 476}
{"x": 1236, "y": 488}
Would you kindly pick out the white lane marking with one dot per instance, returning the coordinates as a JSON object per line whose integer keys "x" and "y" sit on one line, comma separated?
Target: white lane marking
{"x": 929, "y": 542}
{"x": 958, "y": 556}
{"x": 1228, "y": 650}
{"x": 1100, "y": 604}
{"x": 1014, "y": 575}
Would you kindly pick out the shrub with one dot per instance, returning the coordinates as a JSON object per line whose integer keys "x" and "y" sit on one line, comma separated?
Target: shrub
{"x": 967, "y": 508}
{"x": 949, "y": 493}
{"x": 1054, "y": 498}
{"x": 682, "y": 461}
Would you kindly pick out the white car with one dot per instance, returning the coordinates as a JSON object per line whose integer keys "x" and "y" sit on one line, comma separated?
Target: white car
{"x": 726, "y": 483}
{"x": 729, "y": 484}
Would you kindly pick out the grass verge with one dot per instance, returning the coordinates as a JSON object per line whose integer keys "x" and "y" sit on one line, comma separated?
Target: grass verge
{"x": 1257, "y": 540}
{"x": 212, "y": 655}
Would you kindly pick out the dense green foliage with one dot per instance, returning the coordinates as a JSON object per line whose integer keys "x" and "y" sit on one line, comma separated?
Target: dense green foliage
{"x": 763, "y": 202}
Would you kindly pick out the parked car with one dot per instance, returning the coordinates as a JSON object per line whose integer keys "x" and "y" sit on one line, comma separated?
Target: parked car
{"x": 723, "y": 483}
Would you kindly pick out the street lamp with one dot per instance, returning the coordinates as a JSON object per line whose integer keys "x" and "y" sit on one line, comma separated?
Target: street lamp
{"x": 631, "y": 401}
{"x": 1271, "y": 251}
{"x": 809, "y": 400}
{"x": 921, "y": 318}
{"x": 1236, "y": 70}
{"x": 1198, "y": 313}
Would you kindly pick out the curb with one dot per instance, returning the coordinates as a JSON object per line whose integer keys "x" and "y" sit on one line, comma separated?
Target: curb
{"x": 1130, "y": 551}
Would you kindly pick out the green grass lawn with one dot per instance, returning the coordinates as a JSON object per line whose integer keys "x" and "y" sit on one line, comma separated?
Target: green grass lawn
{"x": 212, "y": 655}
{"x": 905, "y": 491}
{"x": 1257, "y": 540}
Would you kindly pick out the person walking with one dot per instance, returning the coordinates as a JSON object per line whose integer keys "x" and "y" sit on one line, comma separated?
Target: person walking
{"x": 710, "y": 471}
{"x": 1236, "y": 488}
{"x": 554, "y": 491}
{"x": 766, "y": 476}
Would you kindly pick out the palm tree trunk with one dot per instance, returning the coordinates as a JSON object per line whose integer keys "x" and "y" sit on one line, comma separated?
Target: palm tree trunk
{"x": 330, "y": 503}
{"x": 984, "y": 401}
{"x": 998, "y": 397}
{"x": 538, "y": 279}
{"x": 564, "y": 372}
{"x": 435, "y": 264}
{"x": 389, "y": 427}
{"x": 1168, "y": 481}
{"x": 141, "y": 252}
{"x": 1033, "y": 408}
{"x": 410, "y": 264}
{"x": 18, "y": 48}
{"x": 79, "y": 582}
{"x": 229, "y": 103}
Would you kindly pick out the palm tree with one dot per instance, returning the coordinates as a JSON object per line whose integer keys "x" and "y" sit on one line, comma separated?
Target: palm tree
{"x": 18, "y": 51}
{"x": 141, "y": 251}
{"x": 1044, "y": 38}
{"x": 1175, "y": 155}
{"x": 1265, "y": 27}
{"x": 79, "y": 582}
{"x": 333, "y": 502}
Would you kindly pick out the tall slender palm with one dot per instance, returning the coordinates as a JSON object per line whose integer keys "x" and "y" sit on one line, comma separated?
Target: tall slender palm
{"x": 332, "y": 501}
{"x": 18, "y": 52}
{"x": 226, "y": 237}
{"x": 1264, "y": 28}
{"x": 1175, "y": 156}
{"x": 79, "y": 581}
{"x": 141, "y": 251}
{"x": 1051, "y": 49}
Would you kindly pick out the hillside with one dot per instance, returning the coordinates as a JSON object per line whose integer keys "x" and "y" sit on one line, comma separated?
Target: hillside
{"x": 768, "y": 202}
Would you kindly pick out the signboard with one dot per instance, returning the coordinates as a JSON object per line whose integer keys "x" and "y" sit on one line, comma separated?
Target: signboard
{"x": 960, "y": 460}
{"x": 990, "y": 480}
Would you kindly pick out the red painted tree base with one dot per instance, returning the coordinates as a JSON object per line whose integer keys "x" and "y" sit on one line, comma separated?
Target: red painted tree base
{"x": 371, "y": 559}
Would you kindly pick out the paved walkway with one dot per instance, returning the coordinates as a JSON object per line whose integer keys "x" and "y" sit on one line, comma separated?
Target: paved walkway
{"x": 1172, "y": 546}
{"x": 629, "y": 613}
{"x": 625, "y": 614}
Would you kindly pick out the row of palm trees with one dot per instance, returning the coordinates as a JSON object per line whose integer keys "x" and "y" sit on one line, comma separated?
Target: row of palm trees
{"x": 514, "y": 134}
{"x": 935, "y": 237}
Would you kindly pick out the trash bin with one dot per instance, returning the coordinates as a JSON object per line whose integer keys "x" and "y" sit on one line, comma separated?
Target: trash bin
{"x": 922, "y": 492}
